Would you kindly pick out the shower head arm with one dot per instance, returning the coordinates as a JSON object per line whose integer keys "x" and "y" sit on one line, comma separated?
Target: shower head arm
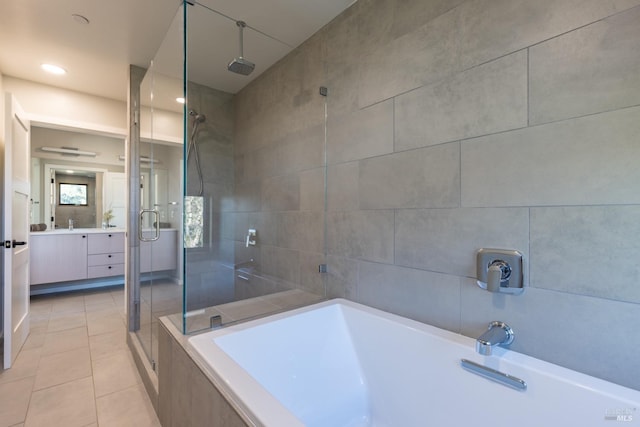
{"x": 241, "y": 25}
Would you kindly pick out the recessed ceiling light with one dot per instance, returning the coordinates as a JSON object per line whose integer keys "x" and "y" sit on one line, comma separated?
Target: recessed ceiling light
{"x": 180, "y": 100}
{"x": 80, "y": 19}
{"x": 53, "y": 69}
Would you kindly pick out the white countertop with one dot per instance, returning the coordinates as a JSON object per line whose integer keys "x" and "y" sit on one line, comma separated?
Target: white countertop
{"x": 79, "y": 231}
{"x": 90, "y": 231}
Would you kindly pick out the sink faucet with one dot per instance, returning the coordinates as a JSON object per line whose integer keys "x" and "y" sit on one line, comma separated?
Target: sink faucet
{"x": 498, "y": 333}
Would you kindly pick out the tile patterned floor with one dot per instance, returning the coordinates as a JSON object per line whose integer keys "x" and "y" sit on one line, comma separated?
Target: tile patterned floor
{"x": 75, "y": 368}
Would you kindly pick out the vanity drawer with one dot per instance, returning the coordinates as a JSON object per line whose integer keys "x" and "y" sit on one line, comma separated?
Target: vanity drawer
{"x": 105, "y": 259}
{"x": 104, "y": 243}
{"x": 105, "y": 270}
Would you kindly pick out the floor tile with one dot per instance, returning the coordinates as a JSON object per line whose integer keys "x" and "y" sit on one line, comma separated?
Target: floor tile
{"x": 101, "y": 325}
{"x": 76, "y": 340}
{"x": 68, "y": 405}
{"x": 114, "y": 373}
{"x": 63, "y": 367}
{"x": 14, "y": 401}
{"x": 69, "y": 339}
{"x": 60, "y": 322}
{"x": 25, "y": 365}
{"x": 129, "y": 407}
{"x": 35, "y": 339}
{"x": 68, "y": 305}
{"x": 108, "y": 343}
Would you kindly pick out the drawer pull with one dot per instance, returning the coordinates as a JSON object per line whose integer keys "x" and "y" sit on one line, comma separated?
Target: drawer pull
{"x": 109, "y": 235}
{"x": 109, "y": 256}
{"x": 109, "y": 267}
{"x": 84, "y": 237}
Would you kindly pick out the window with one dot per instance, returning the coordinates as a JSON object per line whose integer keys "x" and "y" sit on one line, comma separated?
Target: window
{"x": 73, "y": 194}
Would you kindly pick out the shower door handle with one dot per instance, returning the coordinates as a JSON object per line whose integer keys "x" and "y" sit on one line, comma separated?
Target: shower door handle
{"x": 156, "y": 216}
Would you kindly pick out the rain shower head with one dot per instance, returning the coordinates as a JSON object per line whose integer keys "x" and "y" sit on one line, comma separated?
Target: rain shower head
{"x": 240, "y": 65}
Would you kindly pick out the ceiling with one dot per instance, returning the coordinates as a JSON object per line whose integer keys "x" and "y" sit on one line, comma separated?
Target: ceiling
{"x": 122, "y": 32}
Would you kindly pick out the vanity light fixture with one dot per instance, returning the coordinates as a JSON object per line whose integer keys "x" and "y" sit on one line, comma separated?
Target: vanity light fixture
{"x": 180, "y": 100}
{"x": 143, "y": 159}
{"x": 71, "y": 151}
{"x": 53, "y": 69}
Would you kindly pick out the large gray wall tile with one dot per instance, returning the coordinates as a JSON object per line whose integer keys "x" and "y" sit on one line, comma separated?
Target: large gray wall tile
{"x": 281, "y": 193}
{"x": 311, "y": 279}
{"x": 485, "y": 99}
{"x": 446, "y": 240}
{"x": 363, "y": 133}
{"x": 342, "y": 277}
{"x": 301, "y": 231}
{"x": 428, "y": 297}
{"x": 586, "y": 71}
{"x": 422, "y": 56}
{"x": 424, "y": 178}
{"x": 493, "y": 28}
{"x": 280, "y": 263}
{"x": 301, "y": 150}
{"x": 592, "y": 250}
{"x": 342, "y": 187}
{"x": 584, "y": 161}
{"x": 361, "y": 234}
{"x": 247, "y": 197}
{"x": 312, "y": 190}
{"x": 591, "y": 335}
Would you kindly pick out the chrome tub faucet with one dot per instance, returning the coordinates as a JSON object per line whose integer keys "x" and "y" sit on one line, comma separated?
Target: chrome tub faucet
{"x": 497, "y": 334}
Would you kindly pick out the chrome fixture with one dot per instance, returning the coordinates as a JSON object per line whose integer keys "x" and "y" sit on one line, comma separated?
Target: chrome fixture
{"x": 143, "y": 159}
{"x": 240, "y": 65}
{"x": 500, "y": 270}
{"x": 193, "y": 146}
{"x": 497, "y": 334}
{"x": 251, "y": 237}
{"x": 68, "y": 150}
{"x": 493, "y": 375}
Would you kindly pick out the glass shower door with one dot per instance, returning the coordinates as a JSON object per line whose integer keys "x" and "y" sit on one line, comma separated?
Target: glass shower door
{"x": 159, "y": 166}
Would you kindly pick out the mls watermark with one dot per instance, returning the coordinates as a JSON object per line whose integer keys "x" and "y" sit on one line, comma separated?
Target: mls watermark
{"x": 620, "y": 414}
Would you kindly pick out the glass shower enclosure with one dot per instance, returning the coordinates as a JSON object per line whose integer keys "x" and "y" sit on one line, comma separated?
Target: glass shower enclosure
{"x": 236, "y": 186}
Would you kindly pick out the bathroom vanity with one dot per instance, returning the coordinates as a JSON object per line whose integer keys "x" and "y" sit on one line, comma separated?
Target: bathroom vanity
{"x": 91, "y": 253}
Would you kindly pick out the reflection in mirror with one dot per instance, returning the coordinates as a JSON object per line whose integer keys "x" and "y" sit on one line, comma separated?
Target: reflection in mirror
{"x": 47, "y": 166}
{"x": 76, "y": 198}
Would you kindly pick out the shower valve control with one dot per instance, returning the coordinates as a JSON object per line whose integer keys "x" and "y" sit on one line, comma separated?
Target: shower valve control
{"x": 500, "y": 271}
{"x": 251, "y": 237}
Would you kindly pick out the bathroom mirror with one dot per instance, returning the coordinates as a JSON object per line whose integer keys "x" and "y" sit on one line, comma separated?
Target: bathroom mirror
{"x": 72, "y": 192}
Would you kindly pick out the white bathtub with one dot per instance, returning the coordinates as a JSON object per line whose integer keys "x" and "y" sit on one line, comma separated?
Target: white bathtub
{"x": 339, "y": 363}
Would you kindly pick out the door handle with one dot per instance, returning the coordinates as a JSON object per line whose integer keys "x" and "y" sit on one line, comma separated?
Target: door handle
{"x": 156, "y": 215}
{"x": 15, "y": 243}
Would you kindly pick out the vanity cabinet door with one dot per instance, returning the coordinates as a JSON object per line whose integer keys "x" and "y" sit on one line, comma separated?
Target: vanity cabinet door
{"x": 58, "y": 258}
{"x": 161, "y": 254}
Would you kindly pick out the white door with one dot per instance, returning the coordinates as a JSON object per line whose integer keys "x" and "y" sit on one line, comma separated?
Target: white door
{"x": 115, "y": 197}
{"x": 16, "y": 230}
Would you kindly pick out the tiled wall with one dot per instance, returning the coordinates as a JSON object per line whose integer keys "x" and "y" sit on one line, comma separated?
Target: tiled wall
{"x": 451, "y": 126}
{"x": 208, "y": 276}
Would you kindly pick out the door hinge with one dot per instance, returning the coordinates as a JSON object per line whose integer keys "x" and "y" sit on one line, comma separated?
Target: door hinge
{"x": 53, "y": 181}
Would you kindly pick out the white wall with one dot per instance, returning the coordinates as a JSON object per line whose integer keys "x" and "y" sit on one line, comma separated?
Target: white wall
{"x": 55, "y": 107}
{"x": 52, "y": 107}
